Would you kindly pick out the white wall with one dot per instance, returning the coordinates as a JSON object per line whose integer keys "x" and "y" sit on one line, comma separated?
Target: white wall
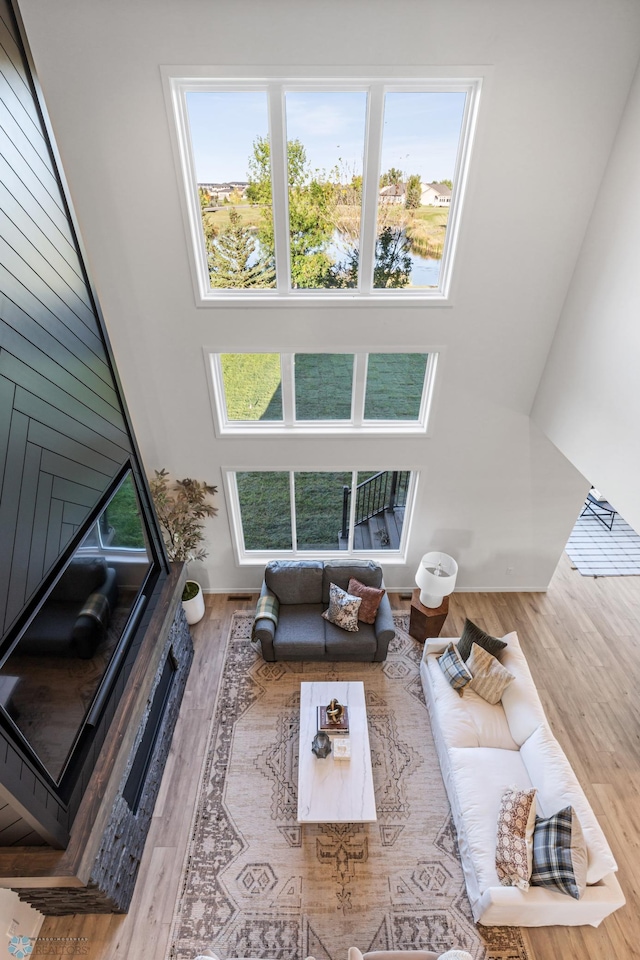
{"x": 589, "y": 399}
{"x": 494, "y": 491}
{"x": 22, "y": 919}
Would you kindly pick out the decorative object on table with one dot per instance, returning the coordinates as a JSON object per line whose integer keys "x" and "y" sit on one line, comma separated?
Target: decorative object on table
{"x": 321, "y": 744}
{"x": 436, "y": 578}
{"x": 340, "y": 726}
{"x": 426, "y": 622}
{"x": 342, "y": 748}
{"x": 335, "y": 711}
{"x": 181, "y": 507}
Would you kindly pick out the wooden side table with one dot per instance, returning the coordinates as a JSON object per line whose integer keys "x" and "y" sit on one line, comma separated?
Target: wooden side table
{"x": 426, "y": 621}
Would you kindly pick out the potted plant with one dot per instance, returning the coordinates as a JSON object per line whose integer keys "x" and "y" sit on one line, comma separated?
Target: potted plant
{"x": 181, "y": 507}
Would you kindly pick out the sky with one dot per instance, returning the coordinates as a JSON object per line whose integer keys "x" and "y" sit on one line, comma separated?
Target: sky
{"x": 421, "y": 130}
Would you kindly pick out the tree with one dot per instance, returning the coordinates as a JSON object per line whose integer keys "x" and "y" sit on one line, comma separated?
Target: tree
{"x": 414, "y": 192}
{"x": 204, "y": 197}
{"x": 312, "y": 202}
{"x": 392, "y": 176}
{"x": 449, "y": 183}
{"x": 393, "y": 263}
{"x": 233, "y": 258}
{"x": 392, "y": 268}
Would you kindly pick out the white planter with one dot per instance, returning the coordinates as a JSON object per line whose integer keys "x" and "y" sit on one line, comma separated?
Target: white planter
{"x": 194, "y": 608}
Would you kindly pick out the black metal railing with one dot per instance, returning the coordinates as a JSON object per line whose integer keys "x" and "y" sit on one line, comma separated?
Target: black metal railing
{"x": 383, "y": 491}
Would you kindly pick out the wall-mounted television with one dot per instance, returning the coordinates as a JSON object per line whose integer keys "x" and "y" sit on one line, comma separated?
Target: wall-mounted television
{"x": 60, "y": 668}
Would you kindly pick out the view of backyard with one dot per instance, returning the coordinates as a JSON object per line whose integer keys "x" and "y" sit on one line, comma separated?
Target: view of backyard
{"x": 265, "y": 505}
{"x": 323, "y": 386}
{"x": 327, "y": 144}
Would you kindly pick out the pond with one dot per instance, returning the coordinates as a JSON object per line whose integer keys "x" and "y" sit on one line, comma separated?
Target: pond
{"x": 425, "y": 271}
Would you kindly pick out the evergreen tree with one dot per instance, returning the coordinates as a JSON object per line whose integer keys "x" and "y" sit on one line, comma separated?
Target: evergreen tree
{"x": 392, "y": 176}
{"x": 414, "y": 192}
{"x": 232, "y": 258}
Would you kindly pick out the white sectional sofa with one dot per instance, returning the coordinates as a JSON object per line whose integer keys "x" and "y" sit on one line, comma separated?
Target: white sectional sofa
{"x": 484, "y": 749}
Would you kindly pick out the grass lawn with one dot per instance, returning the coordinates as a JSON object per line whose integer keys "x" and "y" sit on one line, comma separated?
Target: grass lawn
{"x": 252, "y": 386}
{"x": 265, "y": 506}
{"x": 323, "y": 385}
{"x": 123, "y": 515}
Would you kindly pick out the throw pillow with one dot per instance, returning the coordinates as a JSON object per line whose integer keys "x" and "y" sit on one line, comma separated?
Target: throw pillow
{"x": 343, "y": 609}
{"x": 454, "y": 668}
{"x": 489, "y": 677}
{"x": 370, "y": 596}
{"x": 514, "y": 846}
{"x": 473, "y": 634}
{"x": 560, "y": 854}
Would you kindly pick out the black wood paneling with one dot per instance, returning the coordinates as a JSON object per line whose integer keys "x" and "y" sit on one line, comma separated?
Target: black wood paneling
{"x": 63, "y": 434}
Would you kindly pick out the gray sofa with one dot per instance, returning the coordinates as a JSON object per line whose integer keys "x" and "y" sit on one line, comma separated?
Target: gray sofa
{"x": 302, "y": 589}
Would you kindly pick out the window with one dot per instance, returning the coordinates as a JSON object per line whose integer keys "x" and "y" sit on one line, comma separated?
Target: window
{"x": 305, "y": 513}
{"x": 382, "y": 394}
{"x": 313, "y": 189}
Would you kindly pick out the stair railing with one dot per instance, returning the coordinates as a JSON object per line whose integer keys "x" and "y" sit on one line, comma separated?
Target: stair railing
{"x": 383, "y": 491}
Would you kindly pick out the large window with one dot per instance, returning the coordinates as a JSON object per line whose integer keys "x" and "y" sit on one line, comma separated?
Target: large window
{"x": 303, "y": 513}
{"x": 328, "y": 393}
{"x": 312, "y": 189}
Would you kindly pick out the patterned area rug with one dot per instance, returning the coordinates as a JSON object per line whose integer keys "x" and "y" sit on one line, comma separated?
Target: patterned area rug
{"x": 257, "y": 884}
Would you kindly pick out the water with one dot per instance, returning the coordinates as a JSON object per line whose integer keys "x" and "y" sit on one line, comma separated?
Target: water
{"x": 425, "y": 271}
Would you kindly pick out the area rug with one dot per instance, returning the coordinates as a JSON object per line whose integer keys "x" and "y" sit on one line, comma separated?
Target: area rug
{"x": 257, "y": 884}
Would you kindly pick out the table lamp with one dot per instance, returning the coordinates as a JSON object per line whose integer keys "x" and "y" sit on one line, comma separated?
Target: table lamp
{"x": 436, "y": 578}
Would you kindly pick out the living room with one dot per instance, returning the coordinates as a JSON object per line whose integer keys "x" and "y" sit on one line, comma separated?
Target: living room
{"x": 533, "y": 398}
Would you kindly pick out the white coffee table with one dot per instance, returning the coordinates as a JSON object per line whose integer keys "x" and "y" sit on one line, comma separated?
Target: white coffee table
{"x": 330, "y": 790}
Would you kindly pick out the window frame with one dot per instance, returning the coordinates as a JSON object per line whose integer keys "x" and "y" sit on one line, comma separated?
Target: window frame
{"x": 246, "y": 557}
{"x": 178, "y": 81}
{"x": 355, "y": 427}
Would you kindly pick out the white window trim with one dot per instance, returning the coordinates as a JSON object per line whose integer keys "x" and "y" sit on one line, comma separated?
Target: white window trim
{"x": 178, "y": 81}
{"x": 260, "y": 557}
{"x": 288, "y": 427}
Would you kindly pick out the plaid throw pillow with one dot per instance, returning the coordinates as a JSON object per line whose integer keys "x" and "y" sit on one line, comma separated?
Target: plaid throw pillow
{"x": 343, "y": 609}
{"x": 560, "y": 854}
{"x": 454, "y": 668}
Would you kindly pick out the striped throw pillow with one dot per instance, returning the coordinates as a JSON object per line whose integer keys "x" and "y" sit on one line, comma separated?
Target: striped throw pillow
{"x": 490, "y": 678}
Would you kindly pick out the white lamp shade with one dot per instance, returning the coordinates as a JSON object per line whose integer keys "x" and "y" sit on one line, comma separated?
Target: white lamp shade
{"x": 436, "y": 578}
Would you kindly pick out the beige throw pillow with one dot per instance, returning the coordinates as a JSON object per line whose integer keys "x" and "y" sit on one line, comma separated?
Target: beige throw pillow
{"x": 490, "y": 678}
{"x": 514, "y": 845}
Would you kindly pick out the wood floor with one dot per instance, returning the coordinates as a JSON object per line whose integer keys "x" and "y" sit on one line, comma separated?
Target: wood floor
{"x": 582, "y": 641}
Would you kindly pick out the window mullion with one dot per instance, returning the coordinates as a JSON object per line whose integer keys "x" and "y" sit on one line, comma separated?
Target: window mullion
{"x": 279, "y": 187}
{"x": 352, "y": 512}
{"x": 359, "y": 385}
{"x": 370, "y": 187}
{"x": 286, "y": 379}
{"x": 292, "y": 497}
